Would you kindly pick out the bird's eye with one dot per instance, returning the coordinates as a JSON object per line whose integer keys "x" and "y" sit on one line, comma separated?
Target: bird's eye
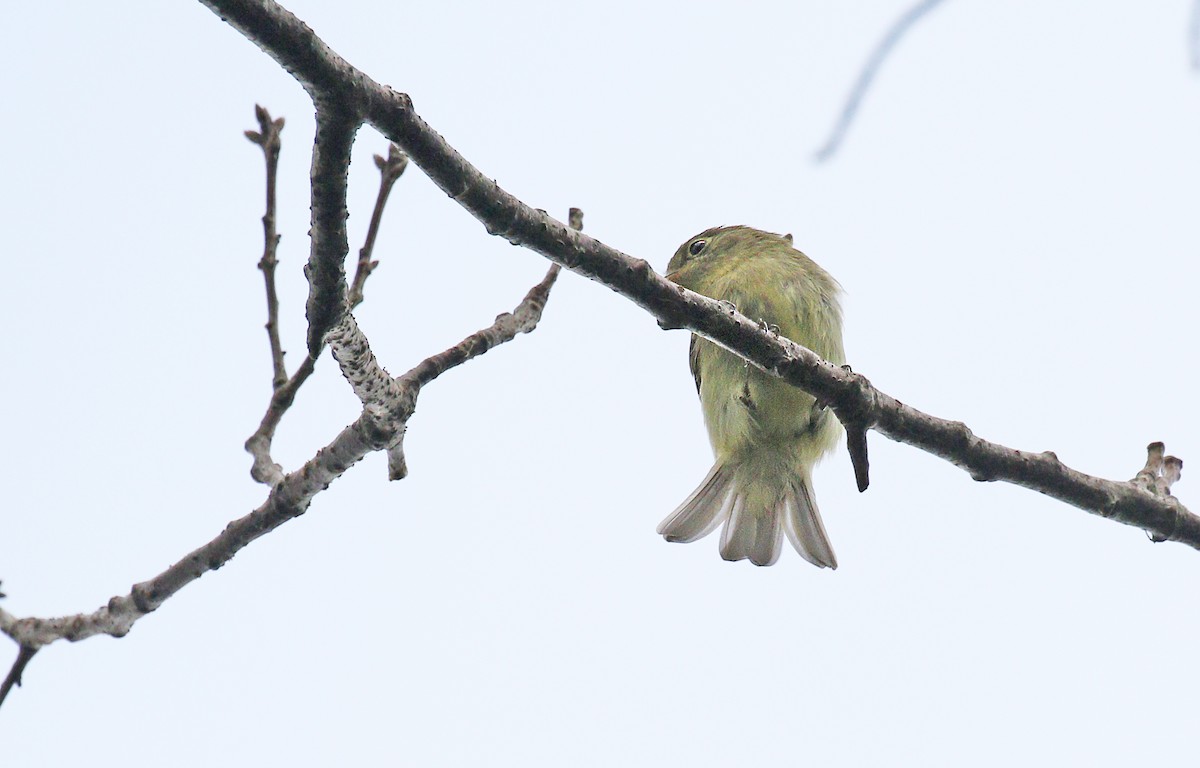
{"x": 696, "y": 247}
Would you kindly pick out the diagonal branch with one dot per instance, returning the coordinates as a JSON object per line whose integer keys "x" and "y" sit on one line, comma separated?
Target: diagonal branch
{"x": 288, "y": 499}
{"x": 331, "y": 79}
{"x": 388, "y": 404}
{"x": 377, "y": 390}
{"x": 523, "y": 319}
{"x": 874, "y": 63}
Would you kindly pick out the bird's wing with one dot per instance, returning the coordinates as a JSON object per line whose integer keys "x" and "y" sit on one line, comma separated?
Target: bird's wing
{"x": 694, "y": 360}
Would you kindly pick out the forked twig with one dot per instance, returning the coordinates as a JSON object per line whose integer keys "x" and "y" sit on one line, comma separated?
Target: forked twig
{"x": 388, "y": 404}
{"x": 258, "y": 445}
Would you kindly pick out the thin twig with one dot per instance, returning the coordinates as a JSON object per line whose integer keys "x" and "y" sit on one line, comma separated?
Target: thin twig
{"x": 18, "y": 668}
{"x": 268, "y": 139}
{"x": 390, "y": 168}
{"x": 867, "y": 76}
{"x": 258, "y": 445}
{"x": 284, "y": 389}
{"x": 264, "y": 469}
{"x": 523, "y": 319}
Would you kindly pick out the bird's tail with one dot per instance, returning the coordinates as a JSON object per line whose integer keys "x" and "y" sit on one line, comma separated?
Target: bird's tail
{"x": 758, "y": 510}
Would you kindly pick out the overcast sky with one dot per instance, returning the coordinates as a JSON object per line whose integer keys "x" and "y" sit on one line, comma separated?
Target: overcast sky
{"x": 1013, "y": 218}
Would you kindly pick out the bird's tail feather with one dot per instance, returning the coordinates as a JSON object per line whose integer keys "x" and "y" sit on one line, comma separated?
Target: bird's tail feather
{"x": 803, "y": 526}
{"x": 757, "y": 512}
{"x": 702, "y": 511}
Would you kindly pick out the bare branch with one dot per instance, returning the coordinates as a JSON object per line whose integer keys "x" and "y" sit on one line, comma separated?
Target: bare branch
{"x": 284, "y": 389}
{"x": 326, "y": 268}
{"x": 331, "y": 78}
{"x": 378, "y": 391}
{"x": 1151, "y": 473}
{"x": 388, "y": 404}
{"x": 18, "y": 668}
{"x": 874, "y": 63}
{"x": 344, "y": 98}
{"x": 390, "y": 168}
{"x": 264, "y": 470}
{"x": 288, "y": 499}
{"x": 856, "y": 445}
{"x": 268, "y": 139}
{"x": 330, "y": 152}
{"x": 1172, "y": 471}
{"x": 523, "y": 319}
{"x": 1157, "y": 477}
{"x": 258, "y": 445}
{"x": 370, "y": 383}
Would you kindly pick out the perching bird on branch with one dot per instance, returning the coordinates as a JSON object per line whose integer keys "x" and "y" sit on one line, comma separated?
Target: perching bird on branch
{"x": 766, "y": 433}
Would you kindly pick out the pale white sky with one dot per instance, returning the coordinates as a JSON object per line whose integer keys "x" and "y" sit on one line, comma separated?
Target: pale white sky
{"x": 1014, "y": 220}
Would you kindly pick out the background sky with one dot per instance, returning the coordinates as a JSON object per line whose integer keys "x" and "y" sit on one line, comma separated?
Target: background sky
{"x": 1014, "y": 220}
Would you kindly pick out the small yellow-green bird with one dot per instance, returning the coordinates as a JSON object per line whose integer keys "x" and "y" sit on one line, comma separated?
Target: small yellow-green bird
{"x": 766, "y": 434}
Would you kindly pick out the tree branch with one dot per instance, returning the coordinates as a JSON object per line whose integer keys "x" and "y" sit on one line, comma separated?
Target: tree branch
{"x": 264, "y": 469}
{"x": 874, "y": 63}
{"x": 258, "y": 445}
{"x": 388, "y": 404}
{"x": 378, "y": 391}
{"x": 18, "y": 668}
{"x": 268, "y": 139}
{"x": 288, "y": 499}
{"x": 326, "y": 268}
{"x": 390, "y": 168}
{"x": 855, "y": 401}
{"x": 344, "y": 98}
{"x": 523, "y": 319}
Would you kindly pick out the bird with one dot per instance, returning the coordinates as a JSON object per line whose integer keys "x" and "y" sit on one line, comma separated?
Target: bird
{"x": 766, "y": 434}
